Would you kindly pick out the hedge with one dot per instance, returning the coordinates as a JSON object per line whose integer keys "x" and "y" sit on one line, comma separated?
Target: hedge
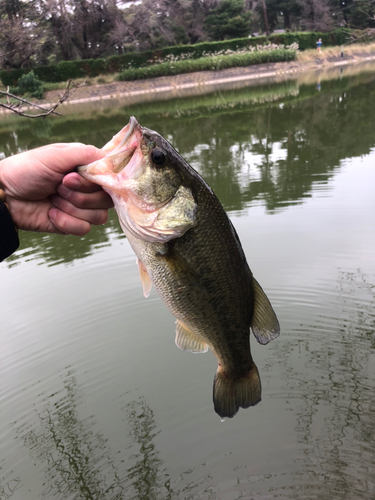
{"x": 307, "y": 40}
{"x": 208, "y": 64}
{"x": 65, "y": 70}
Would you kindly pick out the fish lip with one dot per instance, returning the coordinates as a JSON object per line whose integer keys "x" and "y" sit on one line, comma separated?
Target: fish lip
{"x": 122, "y": 146}
{"x": 81, "y": 169}
{"x": 124, "y": 149}
{"x": 132, "y": 125}
{"x": 128, "y": 146}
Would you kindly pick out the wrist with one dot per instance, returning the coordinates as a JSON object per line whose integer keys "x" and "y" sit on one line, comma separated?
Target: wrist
{"x": 1, "y": 165}
{"x": 9, "y": 241}
{"x": 3, "y": 194}
{"x": 2, "y": 189}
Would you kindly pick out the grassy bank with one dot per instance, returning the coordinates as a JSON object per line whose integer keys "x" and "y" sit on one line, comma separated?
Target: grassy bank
{"x": 328, "y": 52}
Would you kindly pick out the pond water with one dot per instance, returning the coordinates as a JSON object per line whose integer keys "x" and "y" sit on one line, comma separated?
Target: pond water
{"x": 97, "y": 402}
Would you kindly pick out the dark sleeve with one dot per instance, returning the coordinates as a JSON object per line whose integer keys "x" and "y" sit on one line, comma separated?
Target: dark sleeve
{"x": 9, "y": 241}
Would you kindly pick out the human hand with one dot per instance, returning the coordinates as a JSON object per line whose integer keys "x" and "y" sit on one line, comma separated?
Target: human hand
{"x": 44, "y": 194}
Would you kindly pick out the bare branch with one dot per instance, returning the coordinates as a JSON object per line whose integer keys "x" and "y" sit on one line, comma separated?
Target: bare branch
{"x": 354, "y": 38}
{"x": 16, "y": 107}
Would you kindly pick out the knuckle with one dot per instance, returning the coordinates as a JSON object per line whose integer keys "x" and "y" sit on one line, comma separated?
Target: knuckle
{"x": 78, "y": 199}
{"x": 100, "y": 217}
{"x": 58, "y": 202}
{"x": 62, "y": 223}
{"x": 84, "y": 229}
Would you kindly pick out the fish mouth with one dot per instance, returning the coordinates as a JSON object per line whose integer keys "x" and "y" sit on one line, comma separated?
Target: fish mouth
{"x": 119, "y": 143}
{"x": 121, "y": 151}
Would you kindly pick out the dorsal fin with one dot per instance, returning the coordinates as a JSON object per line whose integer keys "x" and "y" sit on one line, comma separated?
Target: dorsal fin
{"x": 188, "y": 341}
{"x": 264, "y": 323}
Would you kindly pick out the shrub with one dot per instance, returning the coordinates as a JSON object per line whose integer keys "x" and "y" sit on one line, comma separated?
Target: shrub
{"x": 30, "y": 85}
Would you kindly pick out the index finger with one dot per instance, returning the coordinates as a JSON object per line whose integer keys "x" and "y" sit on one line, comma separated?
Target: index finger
{"x": 64, "y": 157}
{"x": 76, "y": 182}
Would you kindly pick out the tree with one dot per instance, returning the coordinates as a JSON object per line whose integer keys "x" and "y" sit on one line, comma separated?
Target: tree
{"x": 169, "y": 22}
{"x": 317, "y": 15}
{"x": 81, "y": 28}
{"x": 60, "y": 23}
{"x": 228, "y": 20}
{"x": 92, "y": 23}
{"x": 291, "y": 11}
{"x": 21, "y": 34}
{"x": 360, "y": 14}
{"x": 265, "y": 17}
{"x": 287, "y": 11}
{"x": 194, "y": 19}
{"x": 146, "y": 26}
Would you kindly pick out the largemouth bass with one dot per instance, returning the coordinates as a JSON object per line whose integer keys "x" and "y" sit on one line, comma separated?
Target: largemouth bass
{"x": 187, "y": 247}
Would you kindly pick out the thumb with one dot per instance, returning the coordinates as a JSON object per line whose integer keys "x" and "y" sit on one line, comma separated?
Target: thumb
{"x": 65, "y": 157}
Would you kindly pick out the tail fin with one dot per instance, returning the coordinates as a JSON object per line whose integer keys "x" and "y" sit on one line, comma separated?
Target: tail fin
{"x": 232, "y": 393}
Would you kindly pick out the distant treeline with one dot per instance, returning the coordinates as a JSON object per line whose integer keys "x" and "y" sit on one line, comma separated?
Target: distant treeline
{"x": 36, "y": 33}
{"x": 65, "y": 70}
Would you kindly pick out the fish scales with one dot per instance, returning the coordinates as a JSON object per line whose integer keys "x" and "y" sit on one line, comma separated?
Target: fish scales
{"x": 188, "y": 249}
{"x": 217, "y": 304}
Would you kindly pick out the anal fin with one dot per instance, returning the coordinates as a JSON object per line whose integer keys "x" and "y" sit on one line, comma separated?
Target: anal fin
{"x": 146, "y": 282}
{"x": 264, "y": 323}
{"x": 188, "y": 341}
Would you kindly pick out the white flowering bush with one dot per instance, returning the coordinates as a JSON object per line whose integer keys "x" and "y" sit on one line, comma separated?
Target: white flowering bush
{"x": 173, "y": 65}
{"x": 189, "y": 56}
{"x": 244, "y": 50}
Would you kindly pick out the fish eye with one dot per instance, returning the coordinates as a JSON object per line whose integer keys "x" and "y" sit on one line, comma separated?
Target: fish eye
{"x": 158, "y": 157}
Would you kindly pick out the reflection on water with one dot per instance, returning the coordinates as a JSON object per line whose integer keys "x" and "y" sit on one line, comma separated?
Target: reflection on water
{"x": 8, "y": 484}
{"x": 53, "y": 249}
{"x": 338, "y": 405}
{"x": 146, "y": 477}
{"x": 77, "y": 461}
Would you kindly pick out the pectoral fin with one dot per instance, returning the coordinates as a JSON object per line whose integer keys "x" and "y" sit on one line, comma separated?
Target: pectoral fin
{"x": 264, "y": 323}
{"x": 188, "y": 341}
{"x": 146, "y": 282}
{"x": 178, "y": 266}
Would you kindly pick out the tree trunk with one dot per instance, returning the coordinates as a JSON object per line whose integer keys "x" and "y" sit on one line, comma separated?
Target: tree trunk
{"x": 286, "y": 20}
{"x": 265, "y": 17}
